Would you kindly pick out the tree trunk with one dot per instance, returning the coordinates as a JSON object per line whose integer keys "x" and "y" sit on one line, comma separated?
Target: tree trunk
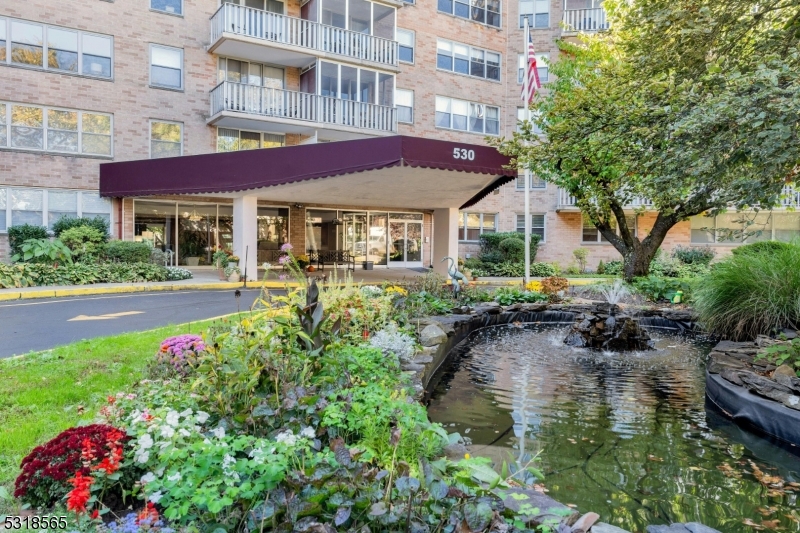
{"x": 637, "y": 262}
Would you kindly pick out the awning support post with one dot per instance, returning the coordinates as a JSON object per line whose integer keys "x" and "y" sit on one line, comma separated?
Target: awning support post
{"x": 445, "y": 237}
{"x": 245, "y": 234}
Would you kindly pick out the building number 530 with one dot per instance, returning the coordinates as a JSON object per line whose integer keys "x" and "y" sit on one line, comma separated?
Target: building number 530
{"x": 461, "y": 153}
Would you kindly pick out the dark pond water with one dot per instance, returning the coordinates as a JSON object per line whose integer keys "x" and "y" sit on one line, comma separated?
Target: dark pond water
{"x": 624, "y": 435}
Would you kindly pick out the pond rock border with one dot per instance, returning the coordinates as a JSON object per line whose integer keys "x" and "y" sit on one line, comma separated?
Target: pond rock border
{"x": 755, "y": 394}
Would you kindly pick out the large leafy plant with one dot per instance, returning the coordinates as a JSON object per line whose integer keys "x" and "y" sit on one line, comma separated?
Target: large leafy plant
{"x": 43, "y": 251}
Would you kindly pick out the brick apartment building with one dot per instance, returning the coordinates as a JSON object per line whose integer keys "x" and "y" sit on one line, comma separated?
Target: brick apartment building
{"x": 89, "y": 83}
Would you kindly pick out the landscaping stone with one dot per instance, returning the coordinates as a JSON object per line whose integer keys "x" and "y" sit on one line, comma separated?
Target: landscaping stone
{"x": 422, "y": 360}
{"x": 786, "y": 376}
{"x": 691, "y": 527}
{"x": 602, "y": 527}
{"x": 522, "y": 500}
{"x": 413, "y": 368}
{"x": 764, "y": 386}
{"x": 584, "y": 523}
{"x": 432, "y": 335}
{"x": 455, "y": 451}
{"x": 600, "y": 328}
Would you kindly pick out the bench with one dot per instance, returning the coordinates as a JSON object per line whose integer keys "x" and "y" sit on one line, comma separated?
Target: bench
{"x": 332, "y": 257}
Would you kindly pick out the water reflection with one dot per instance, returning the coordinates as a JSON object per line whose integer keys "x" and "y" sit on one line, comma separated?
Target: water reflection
{"x": 625, "y": 435}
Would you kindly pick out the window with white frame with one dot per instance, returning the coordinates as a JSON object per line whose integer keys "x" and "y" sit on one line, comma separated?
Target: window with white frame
{"x": 361, "y": 16}
{"x": 70, "y": 131}
{"x": 464, "y": 59}
{"x": 358, "y": 84}
{"x": 591, "y": 234}
{"x": 536, "y": 182}
{"x": 272, "y": 6}
{"x": 44, "y": 207}
{"x": 166, "y": 66}
{"x": 405, "y": 45}
{"x": 536, "y": 11}
{"x": 537, "y": 225}
{"x": 467, "y": 116}
{"x": 542, "y": 68}
{"x": 537, "y": 130}
{"x": 483, "y": 11}
{"x": 55, "y": 48}
{"x": 166, "y": 139}
{"x": 404, "y": 102}
{"x": 472, "y": 225}
{"x": 236, "y": 71}
{"x": 230, "y": 140}
{"x": 744, "y": 228}
{"x": 173, "y": 7}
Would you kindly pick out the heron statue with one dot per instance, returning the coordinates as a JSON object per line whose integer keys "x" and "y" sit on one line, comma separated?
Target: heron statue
{"x": 455, "y": 275}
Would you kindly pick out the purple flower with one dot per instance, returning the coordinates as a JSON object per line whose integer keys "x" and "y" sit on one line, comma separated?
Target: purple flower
{"x": 286, "y": 247}
{"x": 282, "y": 277}
{"x": 283, "y": 259}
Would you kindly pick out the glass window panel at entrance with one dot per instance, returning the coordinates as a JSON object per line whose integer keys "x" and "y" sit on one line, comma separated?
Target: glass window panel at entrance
{"x": 273, "y": 227}
{"x": 154, "y": 223}
{"x": 376, "y": 242}
{"x": 196, "y": 240}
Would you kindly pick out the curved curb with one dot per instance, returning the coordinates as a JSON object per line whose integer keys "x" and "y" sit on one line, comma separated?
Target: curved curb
{"x": 753, "y": 412}
{"x": 123, "y": 289}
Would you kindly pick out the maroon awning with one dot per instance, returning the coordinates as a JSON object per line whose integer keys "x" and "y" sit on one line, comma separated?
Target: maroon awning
{"x": 258, "y": 169}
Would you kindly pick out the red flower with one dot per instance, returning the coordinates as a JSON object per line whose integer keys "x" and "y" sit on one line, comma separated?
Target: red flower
{"x": 149, "y": 513}
{"x": 80, "y": 494}
{"x": 111, "y": 400}
{"x": 95, "y": 514}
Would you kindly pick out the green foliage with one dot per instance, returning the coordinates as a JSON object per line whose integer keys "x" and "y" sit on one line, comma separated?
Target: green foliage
{"x": 220, "y": 258}
{"x": 127, "y": 252}
{"x": 749, "y": 294}
{"x": 177, "y": 273}
{"x": 17, "y": 235}
{"x": 671, "y": 267}
{"x": 85, "y": 242}
{"x": 763, "y": 247}
{"x": 491, "y": 251}
{"x": 785, "y": 353}
{"x": 512, "y": 295}
{"x": 656, "y": 288}
{"x": 66, "y": 222}
{"x": 601, "y": 267}
{"x": 513, "y": 249}
{"x": 581, "y": 254}
{"x": 36, "y": 274}
{"x": 694, "y": 255}
{"x": 44, "y": 251}
{"x": 614, "y": 268}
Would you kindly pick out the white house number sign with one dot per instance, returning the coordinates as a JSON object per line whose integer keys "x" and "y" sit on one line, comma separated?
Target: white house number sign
{"x": 462, "y": 153}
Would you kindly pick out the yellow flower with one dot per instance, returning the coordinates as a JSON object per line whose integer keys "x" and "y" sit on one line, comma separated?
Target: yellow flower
{"x": 535, "y": 286}
{"x": 466, "y": 456}
{"x": 397, "y": 290}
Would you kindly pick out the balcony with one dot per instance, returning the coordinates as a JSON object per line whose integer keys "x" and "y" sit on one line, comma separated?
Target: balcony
{"x": 236, "y": 105}
{"x": 256, "y": 35}
{"x": 569, "y": 203}
{"x": 588, "y": 20}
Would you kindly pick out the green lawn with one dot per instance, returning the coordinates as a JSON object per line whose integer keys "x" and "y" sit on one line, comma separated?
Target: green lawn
{"x": 46, "y": 392}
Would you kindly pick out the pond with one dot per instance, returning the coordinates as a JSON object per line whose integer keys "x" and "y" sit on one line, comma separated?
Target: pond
{"x": 626, "y": 435}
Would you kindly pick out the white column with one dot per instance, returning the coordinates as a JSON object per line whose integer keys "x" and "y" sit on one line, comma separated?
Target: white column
{"x": 245, "y": 235}
{"x": 445, "y": 237}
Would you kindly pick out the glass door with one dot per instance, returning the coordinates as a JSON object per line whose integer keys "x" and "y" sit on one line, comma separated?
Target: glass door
{"x": 405, "y": 245}
{"x": 353, "y": 234}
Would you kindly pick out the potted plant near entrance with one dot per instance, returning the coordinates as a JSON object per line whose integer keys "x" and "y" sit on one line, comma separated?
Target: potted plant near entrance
{"x": 233, "y": 273}
{"x": 220, "y": 259}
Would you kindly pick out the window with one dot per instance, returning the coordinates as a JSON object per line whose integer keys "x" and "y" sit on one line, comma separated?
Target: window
{"x": 537, "y": 225}
{"x": 592, "y": 234}
{"x": 229, "y": 140}
{"x": 536, "y": 182}
{"x": 174, "y": 7}
{"x": 483, "y": 11}
{"x": 464, "y": 59}
{"x": 404, "y": 102}
{"x": 350, "y": 83}
{"x": 237, "y": 71}
{"x": 166, "y": 139}
{"x": 472, "y": 225}
{"x": 467, "y": 116}
{"x": 54, "y": 48}
{"x": 537, "y": 130}
{"x": 272, "y": 6}
{"x": 45, "y": 207}
{"x": 166, "y": 67}
{"x": 405, "y": 40}
{"x": 54, "y": 130}
{"x": 536, "y": 11}
{"x": 542, "y": 68}
{"x": 748, "y": 227}
{"x": 360, "y": 16}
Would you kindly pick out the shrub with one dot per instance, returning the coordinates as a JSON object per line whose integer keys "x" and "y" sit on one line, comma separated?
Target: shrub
{"x": 128, "y": 252}
{"x": 601, "y": 267}
{"x": 66, "y": 222}
{"x": 472, "y": 263}
{"x": 46, "y": 471}
{"x": 542, "y": 270}
{"x": 43, "y": 251}
{"x": 656, "y": 288}
{"x": 85, "y": 242}
{"x": 748, "y": 294}
{"x": 157, "y": 256}
{"x": 513, "y": 249}
{"x": 762, "y": 247}
{"x": 491, "y": 257}
{"x": 580, "y": 255}
{"x": 554, "y": 285}
{"x": 178, "y": 355}
{"x": 177, "y": 274}
{"x": 694, "y": 255}
{"x": 32, "y": 274}
{"x": 614, "y": 268}
{"x": 394, "y": 343}
{"x": 490, "y": 242}
{"x": 17, "y": 235}
{"x": 509, "y": 296}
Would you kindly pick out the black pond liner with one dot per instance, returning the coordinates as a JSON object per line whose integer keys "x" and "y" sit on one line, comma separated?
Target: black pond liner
{"x": 754, "y": 413}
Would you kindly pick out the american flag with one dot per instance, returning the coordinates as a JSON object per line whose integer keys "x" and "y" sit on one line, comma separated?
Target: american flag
{"x": 531, "y": 72}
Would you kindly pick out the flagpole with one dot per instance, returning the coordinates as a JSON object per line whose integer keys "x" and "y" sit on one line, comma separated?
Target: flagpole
{"x": 527, "y": 116}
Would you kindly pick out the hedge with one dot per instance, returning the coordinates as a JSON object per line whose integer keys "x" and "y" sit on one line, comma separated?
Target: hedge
{"x": 31, "y": 275}
{"x": 128, "y": 252}
{"x": 66, "y": 222}
{"x": 490, "y": 244}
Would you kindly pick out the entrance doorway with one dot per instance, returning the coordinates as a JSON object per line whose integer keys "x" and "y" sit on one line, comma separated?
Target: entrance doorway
{"x": 405, "y": 244}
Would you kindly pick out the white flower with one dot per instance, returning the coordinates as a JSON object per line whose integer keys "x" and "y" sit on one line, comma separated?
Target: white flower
{"x": 174, "y": 477}
{"x": 173, "y": 418}
{"x": 167, "y": 431}
{"x": 147, "y": 478}
{"x": 202, "y": 416}
{"x": 286, "y": 437}
{"x": 219, "y": 432}
{"x": 145, "y": 441}
{"x": 184, "y": 432}
{"x": 186, "y": 413}
{"x": 155, "y": 497}
{"x": 308, "y": 433}
{"x": 160, "y": 472}
{"x": 143, "y": 457}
